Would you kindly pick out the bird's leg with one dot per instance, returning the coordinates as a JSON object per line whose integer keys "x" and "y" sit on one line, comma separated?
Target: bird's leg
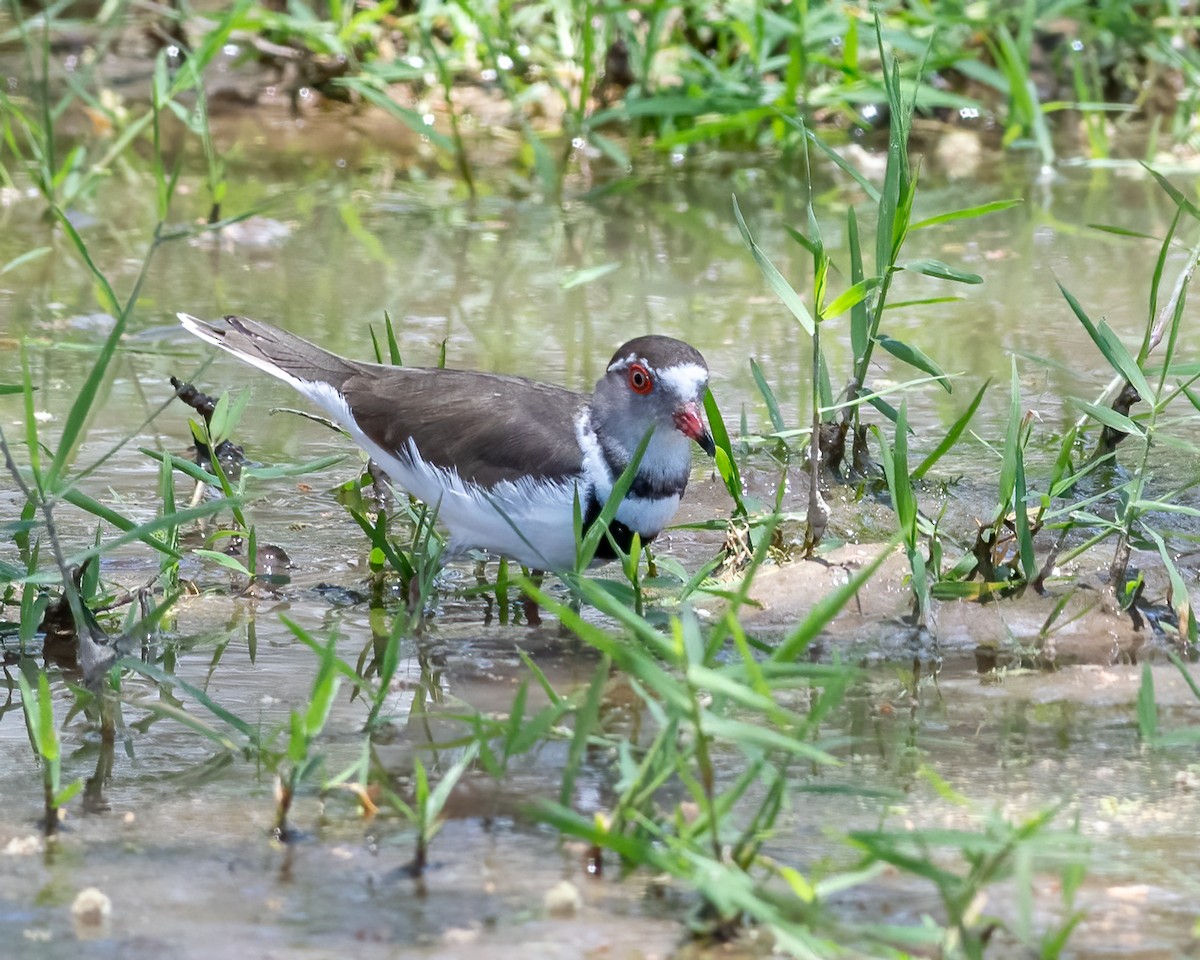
{"x": 533, "y": 616}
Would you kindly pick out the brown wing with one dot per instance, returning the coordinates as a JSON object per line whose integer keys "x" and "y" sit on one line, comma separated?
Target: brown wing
{"x": 489, "y": 428}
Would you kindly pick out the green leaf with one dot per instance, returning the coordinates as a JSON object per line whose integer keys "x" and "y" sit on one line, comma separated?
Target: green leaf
{"x": 1110, "y": 345}
{"x": 801, "y": 239}
{"x": 851, "y": 297}
{"x": 726, "y": 463}
{"x": 914, "y": 358}
{"x": 951, "y": 438}
{"x": 966, "y": 213}
{"x": 143, "y": 532}
{"x": 825, "y": 609}
{"x": 85, "y": 400}
{"x": 782, "y": 288}
{"x": 883, "y": 407}
{"x": 224, "y": 560}
{"x": 768, "y": 396}
{"x": 67, "y": 793}
{"x": 860, "y": 321}
{"x": 924, "y": 302}
{"x": 1024, "y": 533}
{"x": 586, "y": 549}
{"x": 1121, "y": 231}
{"x": 1110, "y": 418}
{"x": 250, "y": 731}
{"x": 371, "y": 244}
{"x": 585, "y": 721}
{"x": 1012, "y": 442}
{"x": 935, "y": 268}
{"x": 27, "y": 257}
{"x": 407, "y": 116}
{"x": 839, "y": 161}
{"x": 1147, "y": 708}
{"x": 1180, "y": 200}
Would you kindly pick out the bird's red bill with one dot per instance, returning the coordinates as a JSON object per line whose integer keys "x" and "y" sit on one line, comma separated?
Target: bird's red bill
{"x": 688, "y": 422}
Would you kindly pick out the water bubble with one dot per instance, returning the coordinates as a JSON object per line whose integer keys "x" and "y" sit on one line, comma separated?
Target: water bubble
{"x": 969, "y": 113}
{"x": 304, "y": 93}
{"x": 230, "y": 49}
{"x": 504, "y": 62}
{"x": 677, "y": 158}
{"x": 578, "y": 143}
{"x": 340, "y": 163}
{"x": 1077, "y": 46}
{"x": 487, "y": 75}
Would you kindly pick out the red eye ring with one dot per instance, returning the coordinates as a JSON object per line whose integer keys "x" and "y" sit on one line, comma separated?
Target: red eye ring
{"x": 640, "y": 380}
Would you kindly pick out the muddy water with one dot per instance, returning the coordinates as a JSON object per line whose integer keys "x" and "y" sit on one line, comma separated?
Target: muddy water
{"x": 177, "y": 835}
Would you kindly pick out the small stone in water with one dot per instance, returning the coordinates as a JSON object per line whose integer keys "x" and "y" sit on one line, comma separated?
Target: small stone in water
{"x": 23, "y": 846}
{"x": 91, "y": 908}
{"x": 563, "y": 900}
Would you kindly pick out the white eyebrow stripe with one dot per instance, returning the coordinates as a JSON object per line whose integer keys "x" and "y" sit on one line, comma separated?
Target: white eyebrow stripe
{"x": 686, "y": 380}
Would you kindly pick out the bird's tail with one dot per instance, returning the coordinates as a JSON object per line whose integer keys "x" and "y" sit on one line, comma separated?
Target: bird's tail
{"x": 277, "y": 352}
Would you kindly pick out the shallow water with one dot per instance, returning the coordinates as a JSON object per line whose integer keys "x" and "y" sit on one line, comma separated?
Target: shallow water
{"x": 180, "y": 841}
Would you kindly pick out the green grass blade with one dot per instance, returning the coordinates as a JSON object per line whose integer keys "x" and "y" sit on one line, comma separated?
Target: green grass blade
{"x": 1110, "y": 345}
{"x": 726, "y": 462}
{"x": 860, "y": 319}
{"x": 1155, "y": 283}
{"x": 1024, "y": 533}
{"x": 1170, "y": 190}
{"x": 914, "y": 357}
{"x": 967, "y": 213}
{"x": 248, "y": 730}
{"x": 1012, "y": 443}
{"x": 1147, "y": 708}
{"x": 775, "y": 279}
{"x": 768, "y": 396}
{"x": 82, "y": 407}
{"x": 407, "y": 116}
{"x": 939, "y": 270}
{"x": 828, "y": 607}
{"x": 585, "y": 721}
{"x": 838, "y": 160}
{"x": 801, "y": 239}
{"x": 145, "y": 531}
{"x": 951, "y": 438}
{"x": 1110, "y": 418}
{"x": 621, "y": 486}
{"x": 851, "y": 297}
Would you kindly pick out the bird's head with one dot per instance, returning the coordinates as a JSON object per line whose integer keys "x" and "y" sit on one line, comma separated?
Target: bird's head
{"x": 654, "y": 382}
